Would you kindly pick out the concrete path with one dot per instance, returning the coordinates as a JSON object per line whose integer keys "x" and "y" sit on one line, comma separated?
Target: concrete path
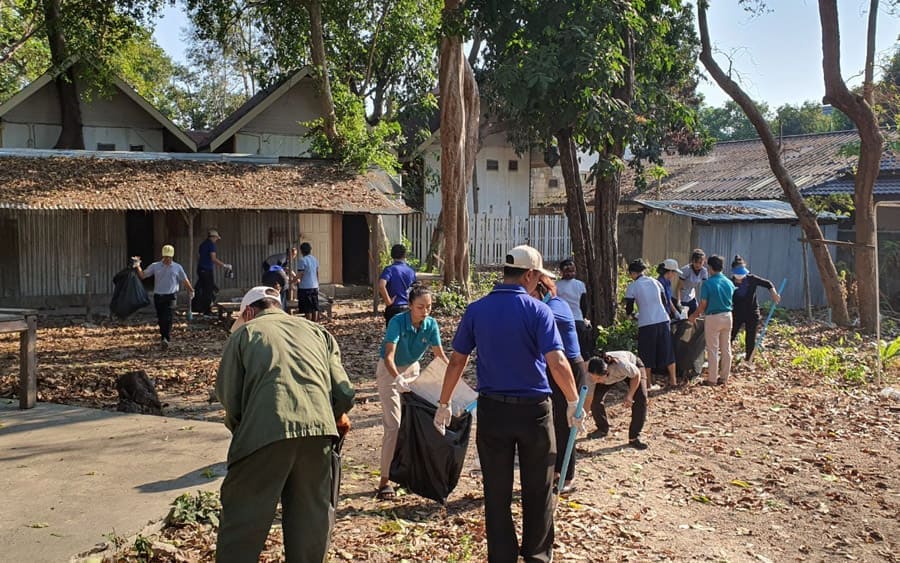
{"x": 71, "y": 475}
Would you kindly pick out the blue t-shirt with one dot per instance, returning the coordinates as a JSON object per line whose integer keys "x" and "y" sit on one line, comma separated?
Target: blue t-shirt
{"x": 399, "y": 276}
{"x": 411, "y": 344}
{"x": 513, "y": 331}
{"x": 565, "y": 324}
{"x": 310, "y": 268}
{"x": 718, "y": 291}
{"x": 207, "y": 247}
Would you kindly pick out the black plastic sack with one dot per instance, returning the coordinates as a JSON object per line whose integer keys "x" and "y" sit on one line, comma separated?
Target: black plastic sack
{"x": 129, "y": 294}
{"x": 425, "y": 462}
{"x": 690, "y": 346}
{"x": 203, "y": 300}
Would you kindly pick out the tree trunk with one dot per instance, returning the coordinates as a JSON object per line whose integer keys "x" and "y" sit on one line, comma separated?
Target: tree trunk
{"x": 436, "y": 247}
{"x": 71, "y": 136}
{"x": 317, "y": 49}
{"x": 576, "y": 213}
{"x": 459, "y": 138}
{"x": 859, "y": 110}
{"x": 606, "y": 237}
{"x": 805, "y": 215}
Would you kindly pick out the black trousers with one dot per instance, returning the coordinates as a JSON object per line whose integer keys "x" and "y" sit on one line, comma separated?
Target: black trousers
{"x": 165, "y": 312}
{"x": 638, "y": 410}
{"x": 561, "y": 422}
{"x": 502, "y": 429}
{"x": 750, "y": 321}
{"x": 584, "y": 339}
{"x": 392, "y": 310}
{"x": 204, "y": 292}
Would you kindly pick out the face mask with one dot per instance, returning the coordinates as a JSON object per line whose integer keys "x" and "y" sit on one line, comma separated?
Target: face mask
{"x": 739, "y": 277}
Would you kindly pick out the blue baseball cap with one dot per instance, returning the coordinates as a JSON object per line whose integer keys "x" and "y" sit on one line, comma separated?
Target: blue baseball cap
{"x": 740, "y": 271}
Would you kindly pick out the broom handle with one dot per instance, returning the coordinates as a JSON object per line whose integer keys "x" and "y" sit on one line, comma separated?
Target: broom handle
{"x": 573, "y": 432}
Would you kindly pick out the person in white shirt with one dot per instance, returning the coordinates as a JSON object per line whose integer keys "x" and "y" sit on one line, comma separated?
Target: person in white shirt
{"x": 690, "y": 278}
{"x": 654, "y": 333}
{"x": 168, "y": 277}
{"x": 574, "y": 293}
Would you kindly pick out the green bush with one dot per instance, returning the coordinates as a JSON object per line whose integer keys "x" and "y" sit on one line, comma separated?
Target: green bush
{"x": 450, "y": 301}
{"x": 621, "y": 336}
{"x": 837, "y": 362}
{"x": 202, "y": 508}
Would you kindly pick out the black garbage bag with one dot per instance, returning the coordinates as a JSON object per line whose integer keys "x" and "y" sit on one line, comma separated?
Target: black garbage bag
{"x": 203, "y": 300}
{"x": 690, "y": 346}
{"x": 425, "y": 462}
{"x": 129, "y": 294}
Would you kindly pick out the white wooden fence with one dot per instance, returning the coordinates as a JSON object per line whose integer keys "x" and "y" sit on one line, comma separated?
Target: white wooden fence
{"x": 490, "y": 236}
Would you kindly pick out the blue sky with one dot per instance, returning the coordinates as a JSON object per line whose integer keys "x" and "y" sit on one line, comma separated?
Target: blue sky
{"x": 778, "y": 54}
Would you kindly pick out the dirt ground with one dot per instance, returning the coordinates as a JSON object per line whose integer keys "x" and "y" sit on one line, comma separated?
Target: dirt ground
{"x": 780, "y": 465}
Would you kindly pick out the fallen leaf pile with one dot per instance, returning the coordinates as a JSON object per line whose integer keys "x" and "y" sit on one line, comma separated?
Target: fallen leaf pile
{"x": 780, "y": 465}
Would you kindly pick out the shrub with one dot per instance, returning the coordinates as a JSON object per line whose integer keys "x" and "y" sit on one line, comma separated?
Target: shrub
{"x": 621, "y": 336}
{"x": 202, "y": 508}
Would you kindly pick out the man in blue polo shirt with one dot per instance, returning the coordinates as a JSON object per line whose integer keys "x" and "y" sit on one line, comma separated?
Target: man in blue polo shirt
{"x": 206, "y": 285}
{"x": 716, "y": 303}
{"x": 394, "y": 283}
{"x": 517, "y": 342}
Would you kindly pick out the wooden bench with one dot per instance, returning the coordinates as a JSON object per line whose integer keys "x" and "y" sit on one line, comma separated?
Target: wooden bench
{"x": 24, "y": 321}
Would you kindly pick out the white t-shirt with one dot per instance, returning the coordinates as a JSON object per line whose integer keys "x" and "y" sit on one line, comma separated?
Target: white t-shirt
{"x": 647, "y": 295}
{"x": 571, "y": 291}
{"x": 691, "y": 282}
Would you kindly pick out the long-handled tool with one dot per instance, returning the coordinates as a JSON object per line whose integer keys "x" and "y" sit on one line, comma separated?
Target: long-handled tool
{"x": 570, "y": 446}
{"x": 762, "y": 332}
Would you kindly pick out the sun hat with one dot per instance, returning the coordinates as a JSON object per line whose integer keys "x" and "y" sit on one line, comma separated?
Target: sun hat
{"x": 168, "y": 251}
{"x": 213, "y": 233}
{"x": 255, "y": 294}
{"x": 524, "y": 257}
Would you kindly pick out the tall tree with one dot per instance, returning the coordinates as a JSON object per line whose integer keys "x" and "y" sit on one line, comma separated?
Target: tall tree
{"x": 320, "y": 64}
{"x": 574, "y": 75}
{"x": 460, "y": 112}
{"x": 806, "y": 216}
{"x": 858, "y": 108}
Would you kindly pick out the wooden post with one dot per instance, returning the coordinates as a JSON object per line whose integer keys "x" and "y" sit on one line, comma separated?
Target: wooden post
{"x": 189, "y": 219}
{"x": 28, "y": 363}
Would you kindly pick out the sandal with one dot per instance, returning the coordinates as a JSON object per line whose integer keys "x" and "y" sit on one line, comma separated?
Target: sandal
{"x": 385, "y": 493}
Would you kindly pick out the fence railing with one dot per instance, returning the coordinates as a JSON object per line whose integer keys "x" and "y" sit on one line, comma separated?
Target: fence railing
{"x": 490, "y": 236}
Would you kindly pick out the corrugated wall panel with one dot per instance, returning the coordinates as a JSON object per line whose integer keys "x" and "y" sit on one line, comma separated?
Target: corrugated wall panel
{"x": 106, "y": 244}
{"x": 772, "y": 250}
{"x": 52, "y": 256}
{"x": 666, "y": 235}
{"x": 248, "y": 238}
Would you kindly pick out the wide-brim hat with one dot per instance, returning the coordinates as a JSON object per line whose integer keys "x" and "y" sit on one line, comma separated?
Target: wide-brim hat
{"x": 671, "y": 265}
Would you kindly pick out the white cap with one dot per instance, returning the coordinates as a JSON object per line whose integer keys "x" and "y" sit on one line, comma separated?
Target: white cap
{"x": 255, "y": 294}
{"x": 671, "y": 264}
{"x": 524, "y": 257}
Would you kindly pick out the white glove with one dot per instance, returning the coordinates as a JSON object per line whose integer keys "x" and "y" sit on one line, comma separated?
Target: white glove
{"x": 402, "y": 384}
{"x": 442, "y": 418}
{"x": 190, "y": 294}
{"x": 576, "y": 420}
{"x": 226, "y": 266}
{"x": 135, "y": 261}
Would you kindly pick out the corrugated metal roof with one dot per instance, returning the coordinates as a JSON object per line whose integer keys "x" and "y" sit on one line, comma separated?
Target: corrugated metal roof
{"x": 887, "y": 186}
{"x": 731, "y": 210}
{"x": 147, "y": 181}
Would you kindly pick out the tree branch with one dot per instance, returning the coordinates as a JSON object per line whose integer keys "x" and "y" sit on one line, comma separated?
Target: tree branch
{"x": 11, "y": 48}
{"x": 387, "y": 9}
{"x": 869, "y": 80}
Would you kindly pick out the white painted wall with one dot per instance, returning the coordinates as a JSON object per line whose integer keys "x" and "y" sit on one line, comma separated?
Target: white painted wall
{"x": 270, "y": 144}
{"x": 501, "y": 192}
{"x": 118, "y": 120}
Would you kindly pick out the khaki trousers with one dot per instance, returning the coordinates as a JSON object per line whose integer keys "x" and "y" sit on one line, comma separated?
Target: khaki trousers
{"x": 717, "y": 331}
{"x": 390, "y": 411}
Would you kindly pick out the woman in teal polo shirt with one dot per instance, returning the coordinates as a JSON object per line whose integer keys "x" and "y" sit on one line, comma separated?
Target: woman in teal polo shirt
{"x": 408, "y": 337}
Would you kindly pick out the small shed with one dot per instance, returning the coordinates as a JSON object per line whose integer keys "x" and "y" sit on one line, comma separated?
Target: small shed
{"x": 765, "y": 232}
{"x": 69, "y": 220}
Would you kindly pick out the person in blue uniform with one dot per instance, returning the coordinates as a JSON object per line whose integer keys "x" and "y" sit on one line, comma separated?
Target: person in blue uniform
{"x": 517, "y": 342}
{"x": 565, "y": 323}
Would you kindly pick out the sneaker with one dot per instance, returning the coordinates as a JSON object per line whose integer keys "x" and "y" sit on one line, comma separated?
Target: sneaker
{"x": 637, "y": 444}
{"x": 597, "y": 434}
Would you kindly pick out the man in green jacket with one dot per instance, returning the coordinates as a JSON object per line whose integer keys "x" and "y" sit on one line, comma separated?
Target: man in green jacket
{"x": 286, "y": 396}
